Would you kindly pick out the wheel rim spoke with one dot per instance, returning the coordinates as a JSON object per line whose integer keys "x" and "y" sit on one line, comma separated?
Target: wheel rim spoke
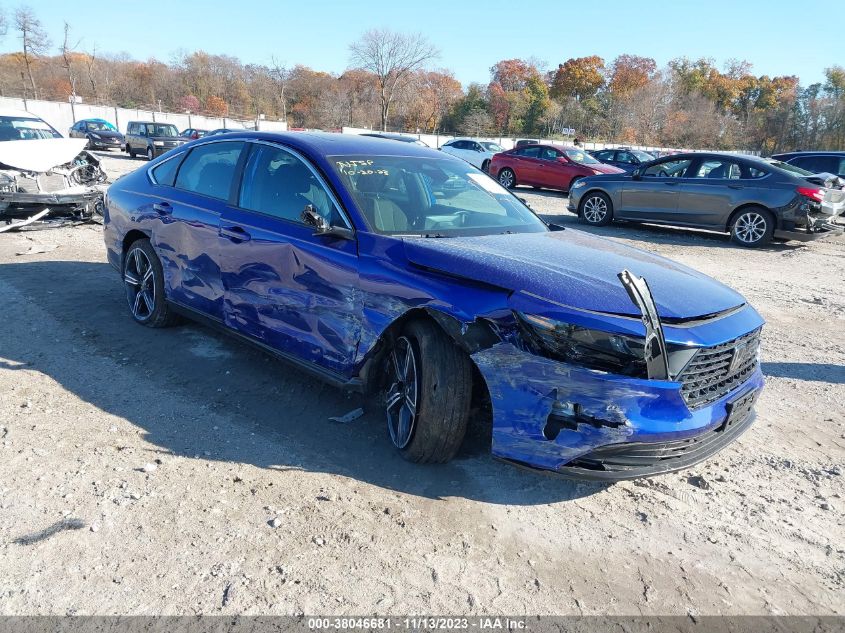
{"x": 401, "y": 397}
{"x": 130, "y": 278}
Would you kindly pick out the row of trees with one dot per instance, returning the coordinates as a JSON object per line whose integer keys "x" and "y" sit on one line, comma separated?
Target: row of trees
{"x": 392, "y": 83}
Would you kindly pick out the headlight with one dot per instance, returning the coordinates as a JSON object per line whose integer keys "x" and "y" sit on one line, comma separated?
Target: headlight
{"x": 594, "y": 349}
{"x": 158, "y": 143}
{"x": 96, "y": 136}
{"x": 579, "y": 183}
{"x": 596, "y": 172}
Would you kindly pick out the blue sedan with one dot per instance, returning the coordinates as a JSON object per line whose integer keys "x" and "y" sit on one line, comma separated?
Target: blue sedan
{"x": 406, "y": 274}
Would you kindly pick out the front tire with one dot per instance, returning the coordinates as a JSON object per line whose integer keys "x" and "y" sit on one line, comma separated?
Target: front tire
{"x": 596, "y": 209}
{"x": 507, "y": 178}
{"x": 753, "y": 227}
{"x": 150, "y": 153}
{"x": 485, "y": 166}
{"x": 144, "y": 282}
{"x": 428, "y": 395}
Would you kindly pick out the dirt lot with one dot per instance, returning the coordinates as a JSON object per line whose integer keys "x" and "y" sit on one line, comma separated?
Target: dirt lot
{"x": 140, "y": 470}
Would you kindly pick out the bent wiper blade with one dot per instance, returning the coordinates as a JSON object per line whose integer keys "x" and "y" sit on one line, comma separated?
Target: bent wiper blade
{"x": 656, "y": 358}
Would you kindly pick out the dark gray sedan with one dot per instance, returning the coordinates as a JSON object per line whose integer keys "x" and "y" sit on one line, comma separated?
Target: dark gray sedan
{"x": 753, "y": 199}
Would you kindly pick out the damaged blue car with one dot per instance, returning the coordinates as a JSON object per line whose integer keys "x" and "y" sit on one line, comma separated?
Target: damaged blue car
{"x": 400, "y": 272}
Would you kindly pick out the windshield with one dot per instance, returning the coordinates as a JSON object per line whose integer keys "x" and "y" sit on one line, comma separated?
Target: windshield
{"x": 402, "y": 195}
{"x": 102, "y": 126}
{"x": 154, "y": 129}
{"x": 580, "y": 156}
{"x": 14, "y": 128}
{"x": 492, "y": 147}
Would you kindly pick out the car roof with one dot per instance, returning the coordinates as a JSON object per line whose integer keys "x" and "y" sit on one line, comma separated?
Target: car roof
{"x": 334, "y": 144}
{"x": 18, "y": 113}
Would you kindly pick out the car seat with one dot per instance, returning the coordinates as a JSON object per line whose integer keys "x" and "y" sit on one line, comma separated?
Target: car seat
{"x": 382, "y": 213}
{"x": 718, "y": 172}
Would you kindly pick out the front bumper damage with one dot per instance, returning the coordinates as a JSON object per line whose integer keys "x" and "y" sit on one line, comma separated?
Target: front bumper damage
{"x": 69, "y": 193}
{"x": 589, "y": 424}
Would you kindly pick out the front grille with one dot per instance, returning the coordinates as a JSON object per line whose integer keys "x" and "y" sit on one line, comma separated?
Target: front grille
{"x": 713, "y": 371}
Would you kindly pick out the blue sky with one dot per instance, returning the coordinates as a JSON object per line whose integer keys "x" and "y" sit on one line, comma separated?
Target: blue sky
{"x": 775, "y": 36}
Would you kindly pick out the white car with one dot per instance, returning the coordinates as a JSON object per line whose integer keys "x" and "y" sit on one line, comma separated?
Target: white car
{"x": 477, "y": 153}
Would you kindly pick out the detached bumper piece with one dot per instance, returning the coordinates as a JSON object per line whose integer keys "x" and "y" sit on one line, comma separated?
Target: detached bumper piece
{"x": 633, "y": 460}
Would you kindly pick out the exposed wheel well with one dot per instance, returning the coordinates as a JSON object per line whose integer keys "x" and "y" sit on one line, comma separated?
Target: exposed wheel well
{"x": 470, "y": 338}
{"x": 750, "y": 205}
{"x": 131, "y": 237}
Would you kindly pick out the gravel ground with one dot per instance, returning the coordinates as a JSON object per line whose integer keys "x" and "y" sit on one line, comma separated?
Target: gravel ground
{"x": 179, "y": 472}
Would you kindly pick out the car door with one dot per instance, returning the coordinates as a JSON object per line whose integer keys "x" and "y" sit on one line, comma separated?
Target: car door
{"x": 187, "y": 239}
{"x": 551, "y": 172}
{"x": 290, "y": 289}
{"x": 526, "y": 168}
{"x": 652, "y": 194}
{"x": 709, "y": 193}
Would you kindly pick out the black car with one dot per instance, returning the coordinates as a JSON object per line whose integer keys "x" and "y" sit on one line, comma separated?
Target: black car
{"x": 623, "y": 157}
{"x": 151, "y": 139}
{"x": 100, "y": 134}
{"x": 816, "y": 162}
{"x": 753, "y": 199}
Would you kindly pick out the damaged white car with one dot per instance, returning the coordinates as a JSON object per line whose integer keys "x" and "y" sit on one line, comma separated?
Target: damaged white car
{"x": 45, "y": 178}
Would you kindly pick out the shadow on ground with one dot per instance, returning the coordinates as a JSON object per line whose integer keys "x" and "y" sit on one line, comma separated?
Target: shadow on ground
{"x": 277, "y": 417}
{"x": 817, "y": 372}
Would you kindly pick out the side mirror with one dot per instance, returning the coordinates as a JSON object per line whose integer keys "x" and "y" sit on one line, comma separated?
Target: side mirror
{"x": 313, "y": 219}
{"x": 637, "y": 174}
{"x": 556, "y": 227}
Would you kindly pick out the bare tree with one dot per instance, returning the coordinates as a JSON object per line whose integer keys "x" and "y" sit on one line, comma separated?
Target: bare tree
{"x": 90, "y": 64}
{"x": 67, "y": 51}
{"x": 392, "y": 58}
{"x": 280, "y": 75}
{"x": 34, "y": 40}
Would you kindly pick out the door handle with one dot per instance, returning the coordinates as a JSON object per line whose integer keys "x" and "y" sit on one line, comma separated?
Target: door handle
{"x": 235, "y": 233}
{"x": 737, "y": 186}
{"x": 163, "y": 208}
{"x": 670, "y": 183}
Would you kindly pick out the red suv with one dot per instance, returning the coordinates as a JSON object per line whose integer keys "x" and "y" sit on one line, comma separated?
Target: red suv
{"x": 550, "y": 166}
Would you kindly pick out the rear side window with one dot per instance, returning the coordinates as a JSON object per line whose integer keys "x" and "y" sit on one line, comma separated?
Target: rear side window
{"x": 721, "y": 169}
{"x": 165, "y": 173}
{"x": 530, "y": 152}
{"x": 210, "y": 169}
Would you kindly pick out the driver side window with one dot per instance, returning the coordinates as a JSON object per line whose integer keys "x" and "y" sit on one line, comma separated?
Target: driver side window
{"x": 279, "y": 184}
{"x": 668, "y": 169}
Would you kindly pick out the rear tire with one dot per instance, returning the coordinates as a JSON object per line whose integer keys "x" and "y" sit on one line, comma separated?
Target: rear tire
{"x": 129, "y": 151}
{"x": 596, "y": 209}
{"x": 144, "y": 282}
{"x": 753, "y": 227}
{"x": 428, "y": 394}
{"x": 507, "y": 178}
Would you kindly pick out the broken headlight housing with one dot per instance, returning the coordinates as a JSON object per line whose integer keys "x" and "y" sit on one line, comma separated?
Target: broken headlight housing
{"x": 594, "y": 349}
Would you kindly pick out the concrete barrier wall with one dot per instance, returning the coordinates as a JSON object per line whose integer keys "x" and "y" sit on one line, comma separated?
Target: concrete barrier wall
{"x": 62, "y": 116}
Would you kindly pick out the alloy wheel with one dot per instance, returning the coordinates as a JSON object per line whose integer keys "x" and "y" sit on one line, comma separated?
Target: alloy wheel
{"x": 506, "y": 178}
{"x": 401, "y": 400}
{"x": 595, "y": 209}
{"x": 139, "y": 279}
{"x": 750, "y": 227}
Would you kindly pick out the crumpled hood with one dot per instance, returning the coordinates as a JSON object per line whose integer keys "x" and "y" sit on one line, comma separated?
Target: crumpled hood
{"x": 40, "y": 155}
{"x": 575, "y": 269}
